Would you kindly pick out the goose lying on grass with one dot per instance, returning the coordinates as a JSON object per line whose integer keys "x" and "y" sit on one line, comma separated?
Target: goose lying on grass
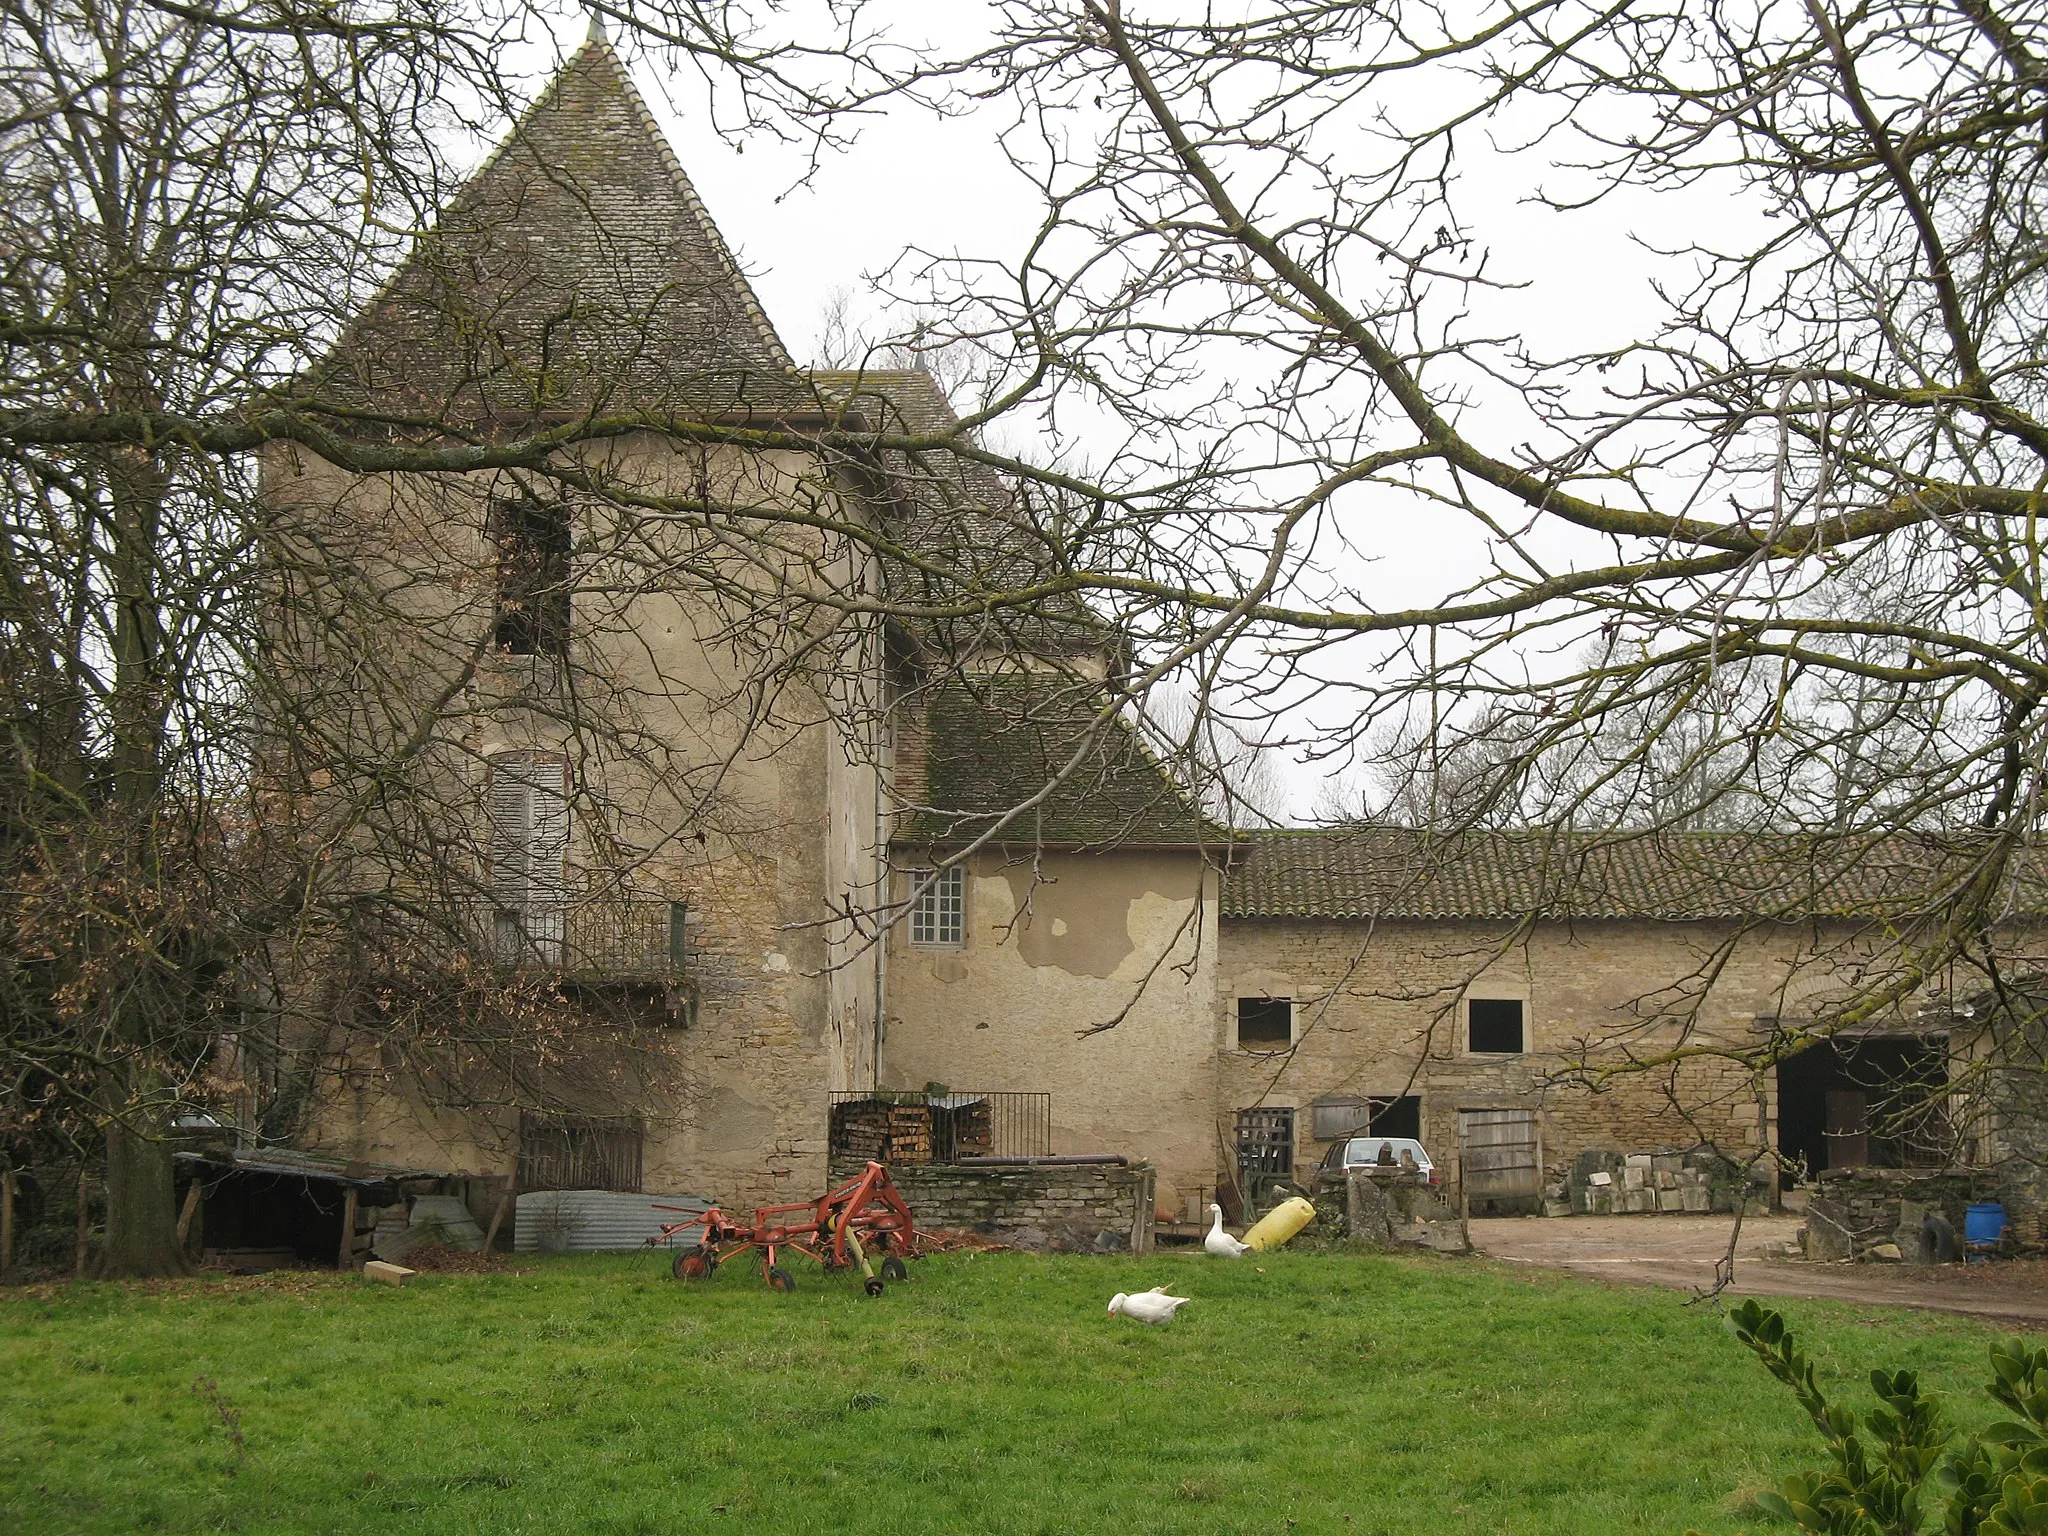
{"x": 1153, "y": 1306}
{"x": 1219, "y": 1242}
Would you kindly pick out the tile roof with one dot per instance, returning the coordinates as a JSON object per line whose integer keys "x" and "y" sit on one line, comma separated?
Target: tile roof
{"x": 1401, "y": 873}
{"x": 972, "y": 524}
{"x": 576, "y": 269}
{"x": 992, "y": 742}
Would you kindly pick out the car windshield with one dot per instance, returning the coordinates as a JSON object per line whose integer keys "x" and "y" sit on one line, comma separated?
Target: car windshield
{"x": 1366, "y": 1150}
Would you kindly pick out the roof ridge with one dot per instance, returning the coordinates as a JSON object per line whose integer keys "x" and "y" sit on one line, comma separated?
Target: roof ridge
{"x": 601, "y": 50}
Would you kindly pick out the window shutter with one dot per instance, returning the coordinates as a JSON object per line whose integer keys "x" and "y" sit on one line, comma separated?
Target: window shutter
{"x": 529, "y": 815}
{"x": 511, "y": 813}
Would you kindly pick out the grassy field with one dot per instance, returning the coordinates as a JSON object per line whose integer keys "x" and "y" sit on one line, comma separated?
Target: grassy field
{"x": 1372, "y": 1397}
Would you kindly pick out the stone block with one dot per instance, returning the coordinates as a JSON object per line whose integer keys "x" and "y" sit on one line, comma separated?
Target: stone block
{"x": 1635, "y": 1178}
{"x": 1696, "y": 1199}
{"x": 1667, "y": 1162}
{"x": 387, "y": 1274}
{"x": 1670, "y": 1199}
{"x": 1557, "y": 1208}
{"x": 1667, "y": 1178}
{"x": 1639, "y": 1161}
{"x": 1827, "y": 1232}
{"x": 1884, "y": 1253}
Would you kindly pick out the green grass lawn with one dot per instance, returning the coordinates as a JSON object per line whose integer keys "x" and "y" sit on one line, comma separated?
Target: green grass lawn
{"x": 1326, "y": 1394}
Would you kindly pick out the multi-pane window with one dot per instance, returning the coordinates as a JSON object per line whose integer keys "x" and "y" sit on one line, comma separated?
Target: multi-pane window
{"x": 1264, "y": 1021}
{"x": 1494, "y": 1026}
{"x": 532, "y": 543}
{"x": 938, "y": 916}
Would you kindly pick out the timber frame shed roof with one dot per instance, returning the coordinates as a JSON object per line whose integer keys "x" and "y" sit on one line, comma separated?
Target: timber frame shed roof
{"x": 1403, "y": 873}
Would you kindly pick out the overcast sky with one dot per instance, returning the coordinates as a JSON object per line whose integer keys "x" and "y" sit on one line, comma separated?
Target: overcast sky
{"x": 913, "y": 180}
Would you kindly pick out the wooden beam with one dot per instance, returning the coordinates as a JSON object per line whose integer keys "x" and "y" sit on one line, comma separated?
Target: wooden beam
{"x": 6, "y": 1222}
{"x": 348, "y": 1229}
{"x": 188, "y": 1211}
{"x": 84, "y": 1237}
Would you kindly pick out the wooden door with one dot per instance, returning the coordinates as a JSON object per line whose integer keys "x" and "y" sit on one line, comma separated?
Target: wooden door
{"x": 1847, "y": 1138}
{"x": 1500, "y": 1155}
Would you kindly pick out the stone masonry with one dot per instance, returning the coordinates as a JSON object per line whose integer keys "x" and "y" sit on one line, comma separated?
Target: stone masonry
{"x": 1043, "y": 1208}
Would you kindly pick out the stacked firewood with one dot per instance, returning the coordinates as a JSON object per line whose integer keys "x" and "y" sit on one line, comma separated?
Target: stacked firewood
{"x": 973, "y": 1130}
{"x": 910, "y": 1134}
{"x": 860, "y": 1128}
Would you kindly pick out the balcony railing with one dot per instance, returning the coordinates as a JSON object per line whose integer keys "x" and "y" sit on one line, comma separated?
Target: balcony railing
{"x": 614, "y": 938}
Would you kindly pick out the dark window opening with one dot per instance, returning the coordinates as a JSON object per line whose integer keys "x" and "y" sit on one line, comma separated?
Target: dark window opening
{"x": 1494, "y": 1026}
{"x": 1396, "y": 1117}
{"x": 1265, "y": 1021}
{"x": 532, "y": 542}
{"x": 579, "y": 1152}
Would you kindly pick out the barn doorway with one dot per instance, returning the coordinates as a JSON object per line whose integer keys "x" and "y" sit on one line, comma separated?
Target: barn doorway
{"x": 1872, "y": 1103}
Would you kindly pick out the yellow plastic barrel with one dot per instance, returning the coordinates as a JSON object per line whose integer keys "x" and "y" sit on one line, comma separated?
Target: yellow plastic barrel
{"x": 1280, "y": 1224}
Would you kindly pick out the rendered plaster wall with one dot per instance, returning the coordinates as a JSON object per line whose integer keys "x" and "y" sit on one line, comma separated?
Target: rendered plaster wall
{"x": 1378, "y": 1013}
{"x": 766, "y": 830}
{"x": 1053, "y": 947}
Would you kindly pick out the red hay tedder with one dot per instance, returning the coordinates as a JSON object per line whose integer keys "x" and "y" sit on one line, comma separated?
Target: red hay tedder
{"x": 862, "y": 1217}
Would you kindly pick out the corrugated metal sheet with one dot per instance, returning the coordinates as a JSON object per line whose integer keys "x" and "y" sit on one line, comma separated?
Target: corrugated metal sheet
{"x": 594, "y": 1220}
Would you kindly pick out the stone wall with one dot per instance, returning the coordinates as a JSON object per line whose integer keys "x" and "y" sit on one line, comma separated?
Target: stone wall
{"x": 1860, "y": 1209}
{"x": 1044, "y": 1208}
{"x": 1378, "y": 1013}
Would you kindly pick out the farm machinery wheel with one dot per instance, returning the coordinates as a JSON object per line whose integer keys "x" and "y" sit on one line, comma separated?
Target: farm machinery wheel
{"x": 892, "y": 1269}
{"x": 872, "y": 1286}
{"x": 779, "y": 1279}
{"x": 698, "y": 1263}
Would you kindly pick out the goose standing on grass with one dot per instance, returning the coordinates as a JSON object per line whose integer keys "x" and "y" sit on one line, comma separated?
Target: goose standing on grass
{"x": 1219, "y": 1242}
{"x": 1153, "y": 1306}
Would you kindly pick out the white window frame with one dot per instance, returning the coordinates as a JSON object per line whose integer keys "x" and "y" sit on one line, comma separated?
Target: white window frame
{"x": 938, "y": 908}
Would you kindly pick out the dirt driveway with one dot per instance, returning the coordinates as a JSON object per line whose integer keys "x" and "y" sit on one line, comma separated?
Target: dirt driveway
{"x": 1680, "y": 1251}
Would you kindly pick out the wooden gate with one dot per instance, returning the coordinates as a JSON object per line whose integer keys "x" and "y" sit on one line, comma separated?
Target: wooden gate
{"x": 1265, "y": 1151}
{"x": 1501, "y": 1159}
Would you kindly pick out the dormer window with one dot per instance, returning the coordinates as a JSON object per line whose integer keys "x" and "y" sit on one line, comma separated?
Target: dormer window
{"x": 531, "y": 540}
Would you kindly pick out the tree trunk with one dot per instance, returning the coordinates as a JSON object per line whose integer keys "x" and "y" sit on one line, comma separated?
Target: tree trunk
{"x": 142, "y": 1213}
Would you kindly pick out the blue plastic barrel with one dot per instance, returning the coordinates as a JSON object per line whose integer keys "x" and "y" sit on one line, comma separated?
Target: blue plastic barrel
{"x": 1984, "y": 1225}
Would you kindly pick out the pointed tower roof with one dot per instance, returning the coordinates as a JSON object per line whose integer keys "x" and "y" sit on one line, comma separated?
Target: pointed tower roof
{"x": 575, "y": 271}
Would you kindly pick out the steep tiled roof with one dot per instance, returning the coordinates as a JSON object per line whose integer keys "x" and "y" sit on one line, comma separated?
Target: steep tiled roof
{"x": 575, "y": 269}
{"x": 972, "y": 524}
{"x": 1400, "y": 873}
{"x": 991, "y": 742}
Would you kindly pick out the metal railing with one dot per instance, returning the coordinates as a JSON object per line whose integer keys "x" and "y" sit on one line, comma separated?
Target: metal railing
{"x": 892, "y": 1126}
{"x": 621, "y": 938}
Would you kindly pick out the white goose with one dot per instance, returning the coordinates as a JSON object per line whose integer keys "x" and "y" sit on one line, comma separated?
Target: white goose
{"x": 1219, "y": 1242}
{"x": 1153, "y": 1306}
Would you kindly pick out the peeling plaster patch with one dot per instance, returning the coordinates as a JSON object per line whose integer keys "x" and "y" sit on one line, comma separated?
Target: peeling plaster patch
{"x": 1082, "y": 918}
{"x": 949, "y": 969}
{"x": 1154, "y": 921}
{"x": 730, "y": 1123}
{"x": 775, "y": 961}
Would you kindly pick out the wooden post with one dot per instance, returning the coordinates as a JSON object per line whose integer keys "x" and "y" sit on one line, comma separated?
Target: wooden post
{"x": 84, "y": 1240}
{"x": 498, "y": 1216}
{"x": 348, "y": 1229}
{"x": 188, "y": 1212}
{"x": 6, "y": 1221}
